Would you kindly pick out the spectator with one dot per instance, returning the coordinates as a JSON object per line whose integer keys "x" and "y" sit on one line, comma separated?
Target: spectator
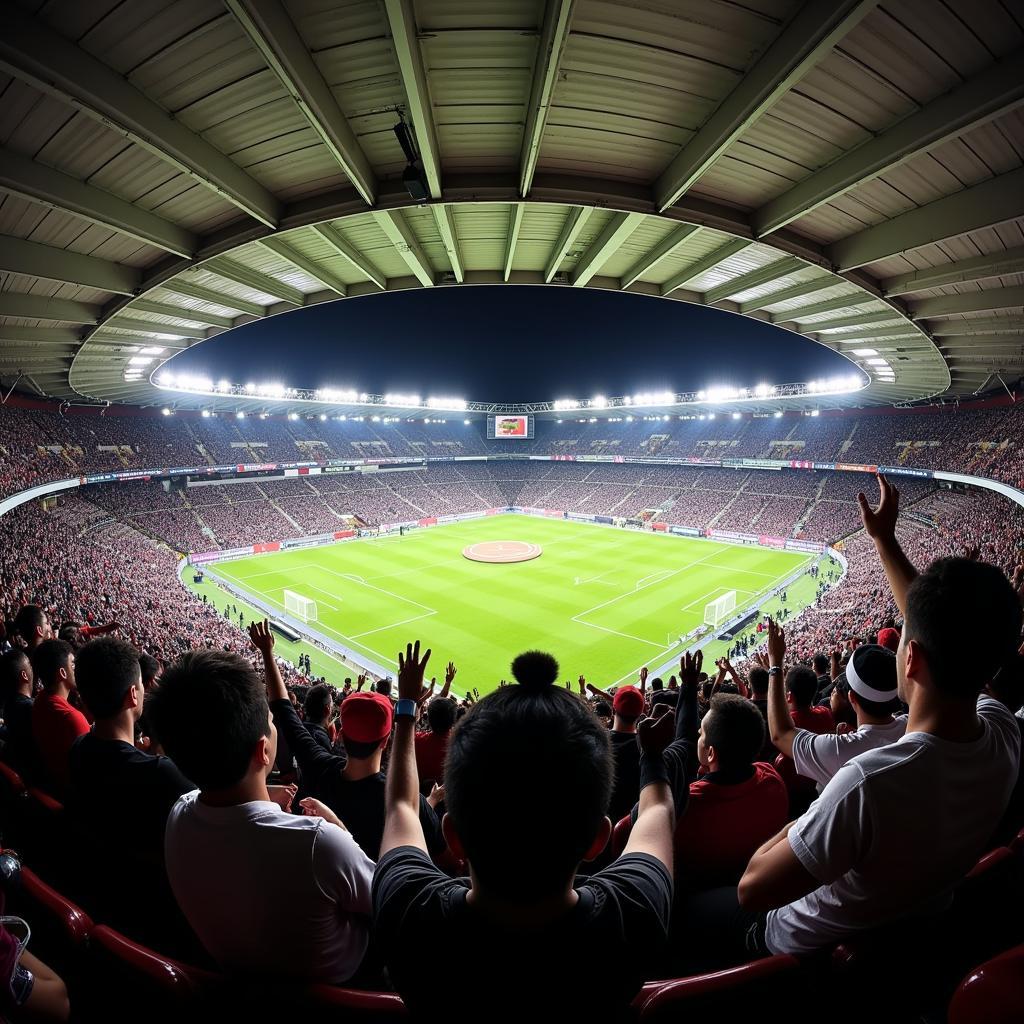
{"x": 265, "y": 891}
{"x": 55, "y": 723}
{"x": 889, "y": 638}
{"x": 523, "y": 897}
{"x": 318, "y": 705}
{"x": 352, "y": 784}
{"x": 432, "y": 745}
{"x": 898, "y": 826}
{"x": 16, "y": 683}
{"x": 758, "y": 679}
{"x": 737, "y": 803}
{"x": 151, "y": 669}
{"x": 801, "y": 690}
{"x": 844, "y": 714}
{"x": 822, "y": 665}
{"x": 32, "y": 624}
{"x": 29, "y": 989}
{"x": 628, "y": 706}
{"x": 871, "y": 679}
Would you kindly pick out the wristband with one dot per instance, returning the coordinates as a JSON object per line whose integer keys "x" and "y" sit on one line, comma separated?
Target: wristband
{"x": 405, "y": 708}
{"x": 774, "y": 670}
{"x": 652, "y": 769}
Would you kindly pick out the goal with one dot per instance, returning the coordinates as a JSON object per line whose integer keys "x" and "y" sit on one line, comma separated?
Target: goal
{"x": 301, "y": 607}
{"x": 720, "y": 609}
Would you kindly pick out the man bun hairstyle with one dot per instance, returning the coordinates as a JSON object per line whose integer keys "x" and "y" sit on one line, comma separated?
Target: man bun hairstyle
{"x": 536, "y": 745}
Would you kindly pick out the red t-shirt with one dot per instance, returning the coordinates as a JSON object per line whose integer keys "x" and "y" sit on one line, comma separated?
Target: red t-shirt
{"x": 725, "y": 823}
{"x": 430, "y": 753}
{"x": 55, "y": 726}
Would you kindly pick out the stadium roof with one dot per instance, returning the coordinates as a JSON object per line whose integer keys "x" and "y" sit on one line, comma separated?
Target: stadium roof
{"x": 849, "y": 169}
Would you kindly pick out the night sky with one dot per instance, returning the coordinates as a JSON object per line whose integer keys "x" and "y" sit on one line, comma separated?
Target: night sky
{"x": 511, "y": 343}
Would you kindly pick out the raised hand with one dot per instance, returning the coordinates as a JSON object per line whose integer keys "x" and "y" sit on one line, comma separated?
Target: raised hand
{"x": 776, "y": 643}
{"x": 313, "y": 808}
{"x": 449, "y": 673}
{"x": 880, "y": 523}
{"x": 644, "y": 672}
{"x": 410, "y": 672}
{"x": 655, "y": 734}
{"x": 283, "y": 795}
{"x": 690, "y": 666}
{"x": 582, "y": 682}
{"x": 262, "y": 638}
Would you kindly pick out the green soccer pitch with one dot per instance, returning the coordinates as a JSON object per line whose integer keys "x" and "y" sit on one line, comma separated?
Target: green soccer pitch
{"x": 604, "y": 601}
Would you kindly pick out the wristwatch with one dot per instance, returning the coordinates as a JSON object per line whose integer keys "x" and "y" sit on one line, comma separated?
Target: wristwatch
{"x": 406, "y": 707}
{"x": 774, "y": 670}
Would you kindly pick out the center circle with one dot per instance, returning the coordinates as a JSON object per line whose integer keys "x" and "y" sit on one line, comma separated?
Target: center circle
{"x": 502, "y": 551}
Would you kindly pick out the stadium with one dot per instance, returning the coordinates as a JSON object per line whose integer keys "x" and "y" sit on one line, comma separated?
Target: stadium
{"x": 725, "y": 681}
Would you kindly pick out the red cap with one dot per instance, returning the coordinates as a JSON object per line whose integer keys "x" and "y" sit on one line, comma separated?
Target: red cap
{"x": 629, "y": 701}
{"x": 366, "y": 717}
{"x": 889, "y": 638}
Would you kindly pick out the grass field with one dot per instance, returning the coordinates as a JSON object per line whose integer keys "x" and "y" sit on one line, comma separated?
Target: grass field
{"x": 636, "y": 594}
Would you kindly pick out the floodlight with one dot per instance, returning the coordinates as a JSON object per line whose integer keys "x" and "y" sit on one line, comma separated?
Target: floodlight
{"x": 153, "y": 350}
{"x": 778, "y": 414}
{"x": 598, "y": 402}
{"x": 861, "y": 352}
{"x": 815, "y": 412}
{"x": 763, "y": 390}
{"x": 166, "y": 378}
{"x": 737, "y": 415}
{"x": 140, "y": 361}
{"x": 466, "y": 422}
{"x": 206, "y": 414}
{"x": 239, "y": 415}
{"x": 711, "y": 415}
{"x": 225, "y": 385}
{"x": 323, "y": 416}
{"x": 878, "y": 362}
{"x": 166, "y": 411}
{"x": 249, "y": 387}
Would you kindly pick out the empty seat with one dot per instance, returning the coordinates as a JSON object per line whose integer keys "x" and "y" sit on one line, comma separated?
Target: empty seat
{"x": 992, "y": 993}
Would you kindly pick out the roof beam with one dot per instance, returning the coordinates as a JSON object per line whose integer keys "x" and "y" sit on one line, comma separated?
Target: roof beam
{"x": 232, "y": 271}
{"x": 574, "y": 223}
{"x": 18, "y": 256}
{"x": 515, "y": 222}
{"x": 273, "y": 33}
{"x": 754, "y": 279}
{"x": 703, "y": 265}
{"x": 31, "y": 51}
{"x": 827, "y": 306}
{"x": 394, "y": 225}
{"x": 879, "y": 333}
{"x": 978, "y": 268}
{"x": 994, "y": 92}
{"x": 971, "y": 302}
{"x": 41, "y": 307}
{"x": 405, "y": 35}
{"x": 815, "y": 28}
{"x": 352, "y": 255}
{"x": 651, "y": 259}
{"x": 975, "y": 342}
{"x": 550, "y": 46}
{"x": 979, "y": 206}
{"x": 613, "y": 235}
{"x": 847, "y": 321}
{"x": 193, "y": 316}
{"x": 303, "y": 263}
{"x": 445, "y": 220}
{"x": 41, "y": 184}
{"x": 39, "y": 335}
{"x": 978, "y": 326}
{"x": 135, "y": 326}
{"x": 197, "y": 291}
{"x": 796, "y": 291}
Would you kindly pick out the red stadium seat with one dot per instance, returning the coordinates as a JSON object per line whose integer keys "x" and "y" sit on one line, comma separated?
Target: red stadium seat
{"x": 356, "y": 1004}
{"x": 744, "y": 989}
{"x": 1018, "y": 843}
{"x": 48, "y": 803}
{"x": 146, "y": 971}
{"x": 991, "y": 861}
{"x": 11, "y": 783}
{"x": 992, "y": 993}
{"x": 620, "y": 835}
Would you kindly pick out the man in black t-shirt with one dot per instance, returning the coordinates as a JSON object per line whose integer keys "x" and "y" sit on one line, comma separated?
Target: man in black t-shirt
{"x": 318, "y": 705}
{"x": 16, "y": 693}
{"x": 528, "y": 781}
{"x": 628, "y": 706}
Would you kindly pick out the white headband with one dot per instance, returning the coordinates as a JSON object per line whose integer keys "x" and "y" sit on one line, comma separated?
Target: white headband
{"x": 863, "y": 689}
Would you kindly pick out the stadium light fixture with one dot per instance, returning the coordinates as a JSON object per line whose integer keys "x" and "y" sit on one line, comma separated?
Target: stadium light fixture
{"x": 711, "y": 415}
{"x": 166, "y": 411}
{"x": 815, "y": 412}
{"x": 140, "y": 360}
{"x": 778, "y": 414}
{"x": 250, "y": 387}
{"x": 863, "y": 352}
{"x": 206, "y": 414}
{"x": 878, "y": 362}
{"x": 763, "y": 390}
{"x": 153, "y": 350}
{"x": 737, "y": 415}
{"x": 566, "y": 403}
{"x": 446, "y": 404}
{"x": 239, "y": 415}
{"x": 466, "y": 422}
{"x": 598, "y": 402}
{"x": 225, "y": 385}
{"x": 323, "y": 416}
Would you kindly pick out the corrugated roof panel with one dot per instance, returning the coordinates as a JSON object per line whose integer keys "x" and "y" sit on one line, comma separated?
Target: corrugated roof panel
{"x": 993, "y": 148}
{"x": 696, "y": 247}
{"x": 829, "y": 222}
{"x": 324, "y": 25}
{"x": 805, "y": 274}
{"x": 29, "y": 118}
{"x": 120, "y": 248}
{"x": 468, "y": 146}
{"x": 751, "y": 258}
{"x": 436, "y": 15}
{"x": 133, "y": 172}
{"x": 19, "y": 217}
{"x": 840, "y": 288}
{"x": 741, "y": 182}
{"x": 187, "y": 302}
{"x": 193, "y": 206}
{"x": 477, "y": 49}
{"x": 261, "y": 126}
{"x": 807, "y": 323}
{"x": 709, "y": 30}
{"x": 133, "y": 32}
{"x": 480, "y": 221}
{"x": 288, "y": 173}
{"x": 355, "y": 62}
{"x": 608, "y": 154}
{"x": 239, "y": 99}
{"x": 81, "y": 146}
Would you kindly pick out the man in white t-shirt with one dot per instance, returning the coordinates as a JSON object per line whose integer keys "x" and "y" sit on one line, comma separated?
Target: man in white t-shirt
{"x": 871, "y": 678}
{"x": 263, "y": 890}
{"x": 897, "y": 827}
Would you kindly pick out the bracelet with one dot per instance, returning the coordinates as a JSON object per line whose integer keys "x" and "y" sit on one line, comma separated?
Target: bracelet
{"x": 774, "y": 670}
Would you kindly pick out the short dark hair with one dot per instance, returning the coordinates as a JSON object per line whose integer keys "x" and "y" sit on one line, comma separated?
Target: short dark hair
{"x": 105, "y": 670}
{"x": 49, "y": 658}
{"x": 820, "y": 664}
{"x": 602, "y": 709}
{"x": 318, "y": 702}
{"x": 938, "y": 601}
{"x": 441, "y": 715}
{"x": 802, "y": 683}
{"x": 149, "y": 667}
{"x": 360, "y": 750}
{"x": 210, "y": 711}
{"x": 30, "y": 617}
{"x": 383, "y": 686}
{"x": 12, "y": 663}
{"x": 657, "y": 683}
{"x": 564, "y": 773}
{"x": 735, "y": 728}
{"x": 759, "y": 680}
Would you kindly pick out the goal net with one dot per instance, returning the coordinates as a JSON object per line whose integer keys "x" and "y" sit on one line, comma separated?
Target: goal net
{"x": 301, "y": 607}
{"x": 720, "y": 609}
